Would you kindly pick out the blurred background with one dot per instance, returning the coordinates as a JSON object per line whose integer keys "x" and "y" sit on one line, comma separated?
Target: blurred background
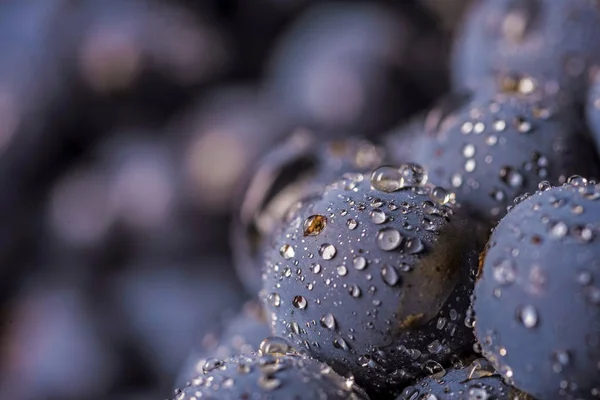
{"x": 129, "y": 130}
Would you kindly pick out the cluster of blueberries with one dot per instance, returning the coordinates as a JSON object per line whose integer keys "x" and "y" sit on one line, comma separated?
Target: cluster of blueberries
{"x": 300, "y": 199}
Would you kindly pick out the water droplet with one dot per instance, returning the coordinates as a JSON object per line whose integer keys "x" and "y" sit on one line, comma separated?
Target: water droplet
{"x": 512, "y": 177}
{"x": 328, "y": 321}
{"x": 316, "y": 268}
{"x": 476, "y": 393}
{"x": 478, "y": 128}
{"x": 434, "y": 347}
{"x": 441, "y": 195}
{"x": 179, "y": 394}
{"x": 583, "y": 233}
{"x": 386, "y": 179}
{"x": 456, "y": 180}
{"x": 468, "y": 151}
{"x": 541, "y": 160}
{"x": 470, "y": 321}
{"x": 470, "y": 165}
{"x": 211, "y": 364}
{"x": 354, "y": 291}
{"x": 349, "y": 384}
{"x": 268, "y": 382}
{"x": 389, "y": 275}
{"x": 498, "y": 195}
{"x": 512, "y": 83}
{"x": 299, "y": 302}
{"x": 429, "y": 225}
{"x": 577, "y": 180}
{"x": 584, "y": 278}
{"x": 287, "y": 251}
{"x": 526, "y": 85}
{"x": 352, "y": 224}
{"x": 388, "y": 239}
{"x": 441, "y": 322}
{"x": 434, "y": 368}
{"x": 342, "y": 270}
{"x": 412, "y": 175}
{"x": 378, "y": 216}
{"x": 466, "y": 128}
{"x": 592, "y": 294}
{"x": 274, "y": 299}
{"x": 560, "y": 359}
{"x": 274, "y": 346}
{"x": 429, "y": 208}
{"x": 491, "y": 140}
{"x": 364, "y": 361}
{"x": 559, "y": 230}
{"x": 506, "y": 371}
{"x": 453, "y": 314}
{"x": 314, "y": 225}
{"x": 350, "y": 185}
{"x": 359, "y": 263}
{"x": 404, "y": 267}
{"x": 340, "y": 343}
{"x": 376, "y": 203}
{"x": 414, "y": 246}
{"x": 499, "y": 126}
{"x": 228, "y": 383}
{"x": 504, "y": 272}
{"x": 544, "y": 185}
{"x": 413, "y": 353}
{"x": 327, "y": 251}
{"x": 294, "y": 327}
{"x": 528, "y": 316}
{"x": 523, "y": 126}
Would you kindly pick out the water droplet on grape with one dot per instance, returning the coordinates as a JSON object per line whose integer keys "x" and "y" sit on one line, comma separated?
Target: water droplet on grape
{"x": 528, "y": 316}
{"x": 388, "y": 239}
{"x": 287, "y": 251}
{"x": 299, "y": 302}
{"x": 327, "y": 251}
{"x": 314, "y": 225}
{"x": 389, "y": 275}
{"x": 328, "y": 321}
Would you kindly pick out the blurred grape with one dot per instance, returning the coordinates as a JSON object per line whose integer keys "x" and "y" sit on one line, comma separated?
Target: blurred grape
{"x": 79, "y": 210}
{"x": 120, "y": 41}
{"x": 220, "y": 139}
{"x": 50, "y": 349}
{"x": 346, "y": 67}
{"x": 164, "y": 306}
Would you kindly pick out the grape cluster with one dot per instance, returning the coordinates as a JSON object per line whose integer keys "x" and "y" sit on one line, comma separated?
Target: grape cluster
{"x": 301, "y": 199}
